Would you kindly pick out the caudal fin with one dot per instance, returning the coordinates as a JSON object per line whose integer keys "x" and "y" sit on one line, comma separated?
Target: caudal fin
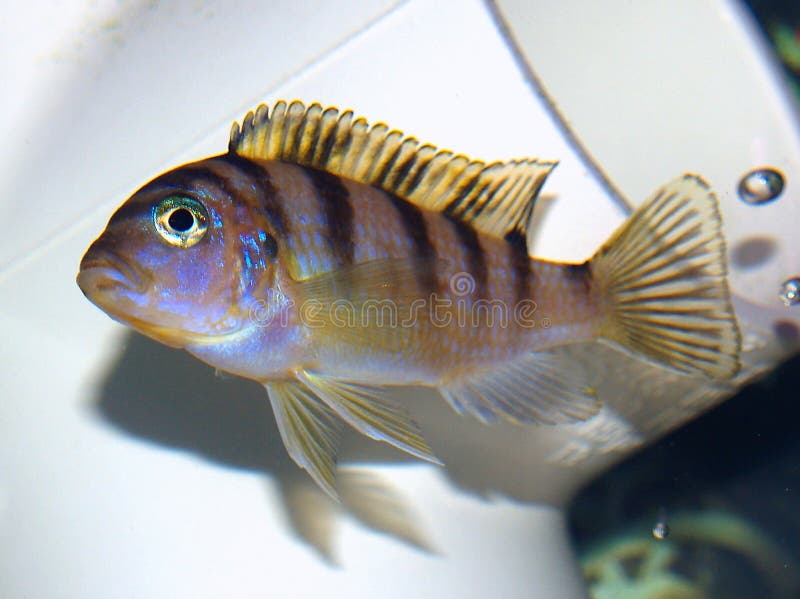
{"x": 663, "y": 279}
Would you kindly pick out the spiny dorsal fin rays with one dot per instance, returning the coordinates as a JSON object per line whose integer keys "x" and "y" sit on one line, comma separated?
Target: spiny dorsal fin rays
{"x": 496, "y": 198}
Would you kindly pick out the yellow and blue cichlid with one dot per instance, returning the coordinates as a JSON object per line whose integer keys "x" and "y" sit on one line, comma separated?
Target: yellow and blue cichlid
{"x": 329, "y": 259}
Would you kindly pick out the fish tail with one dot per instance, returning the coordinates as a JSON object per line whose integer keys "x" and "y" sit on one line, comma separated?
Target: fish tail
{"x": 662, "y": 278}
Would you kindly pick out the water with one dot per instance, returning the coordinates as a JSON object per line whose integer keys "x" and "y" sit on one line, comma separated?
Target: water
{"x": 729, "y": 483}
{"x": 729, "y": 480}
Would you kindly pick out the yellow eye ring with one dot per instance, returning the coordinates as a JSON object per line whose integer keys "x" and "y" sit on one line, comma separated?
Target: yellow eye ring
{"x": 180, "y": 220}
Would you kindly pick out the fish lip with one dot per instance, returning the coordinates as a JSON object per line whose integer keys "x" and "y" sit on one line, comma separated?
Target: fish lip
{"x": 105, "y": 269}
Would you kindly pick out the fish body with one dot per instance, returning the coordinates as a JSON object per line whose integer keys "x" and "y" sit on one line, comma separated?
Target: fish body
{"x": 472, "y": 291}
{"x": 329, "y": 260}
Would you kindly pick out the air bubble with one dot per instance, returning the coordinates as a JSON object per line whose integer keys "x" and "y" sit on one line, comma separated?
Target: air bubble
{"x": 661, "y": 531}
{"x": 790, "y": 292}
{"x": 761, "y": 186}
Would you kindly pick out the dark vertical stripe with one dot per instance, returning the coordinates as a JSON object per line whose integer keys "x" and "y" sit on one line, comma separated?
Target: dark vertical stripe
{"x": 266, "y": 193}
{"x": 416, "y": 179}
{"x": 327, "y": 141}
{"x": 474, "y": 254}
{"x": 459, "y": 209}
{"x": 387, "y": 166}
{"x": 296, "y": 140}
{"x": 337, "y": 213}
{"x": 188, "y": 178}
{"x": 401, "y": 172}
{"x": 341, "y": 145}
{"x": 413, "y": 223}
{"x": 580, "y": 274}
{"x": 520, "y": 265}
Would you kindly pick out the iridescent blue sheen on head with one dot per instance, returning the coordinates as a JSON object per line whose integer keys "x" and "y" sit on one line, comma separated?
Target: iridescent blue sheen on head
{"x": 188, "y": 284}
{"x": 254, "y": 259}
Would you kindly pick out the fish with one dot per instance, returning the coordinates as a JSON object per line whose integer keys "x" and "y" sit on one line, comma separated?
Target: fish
{"x": 332, "y": 260}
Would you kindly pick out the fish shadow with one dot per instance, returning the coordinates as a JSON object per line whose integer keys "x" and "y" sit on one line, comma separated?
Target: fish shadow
{"x": 167, "y": 397}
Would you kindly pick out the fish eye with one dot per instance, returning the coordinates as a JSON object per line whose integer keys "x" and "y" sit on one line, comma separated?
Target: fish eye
{"x": 182, "y": 221}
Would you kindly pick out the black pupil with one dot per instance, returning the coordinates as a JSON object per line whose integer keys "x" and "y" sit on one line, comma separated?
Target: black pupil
{"x": 181, "y": 220}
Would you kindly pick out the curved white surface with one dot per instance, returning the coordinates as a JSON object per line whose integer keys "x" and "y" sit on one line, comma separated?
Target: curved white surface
{"x": 678, "y": 87}
{"x": 127, "y": 469}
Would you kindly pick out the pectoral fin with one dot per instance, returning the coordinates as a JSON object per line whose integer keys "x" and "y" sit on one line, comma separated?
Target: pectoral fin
{"x": 368, "y": 305}
{"x": 544, "y": 387}
{"x": 309, "y": 429}
{"x": 372, "y": 413}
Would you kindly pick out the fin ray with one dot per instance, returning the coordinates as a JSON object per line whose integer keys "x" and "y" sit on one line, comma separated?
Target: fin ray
{"x": 545, "y": 387}
{"x": 495, "y": 198}
{"x": 310, "y": 431}
{"x": 365, "y": 305}
{"x": 663, "y": 276}
{"x": 372, "y": 413}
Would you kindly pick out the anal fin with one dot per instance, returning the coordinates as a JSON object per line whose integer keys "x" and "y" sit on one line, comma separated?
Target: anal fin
{"x": 545, "y": 387}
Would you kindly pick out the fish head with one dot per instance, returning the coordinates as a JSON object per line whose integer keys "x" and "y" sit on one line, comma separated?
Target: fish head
{"x": 183, "y": 259}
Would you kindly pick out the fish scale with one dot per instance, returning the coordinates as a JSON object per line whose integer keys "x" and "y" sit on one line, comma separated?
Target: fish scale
{"x": 331, "y": 260}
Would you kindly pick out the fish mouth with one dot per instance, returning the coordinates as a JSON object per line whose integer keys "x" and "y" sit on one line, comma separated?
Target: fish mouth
{"x": 108, "y": 280}
{"x": 180, "y": 338}
{"x": 103, "y": 270}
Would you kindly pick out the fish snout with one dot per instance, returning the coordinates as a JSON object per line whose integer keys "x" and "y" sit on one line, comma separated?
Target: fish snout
{"x": 103, "y": 270}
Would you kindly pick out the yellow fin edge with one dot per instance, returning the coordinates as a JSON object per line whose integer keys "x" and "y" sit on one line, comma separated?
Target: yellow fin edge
{"x": 495, "y": 198}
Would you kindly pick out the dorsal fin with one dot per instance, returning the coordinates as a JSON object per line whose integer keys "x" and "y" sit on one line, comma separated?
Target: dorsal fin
{"x": 494, "y": 198}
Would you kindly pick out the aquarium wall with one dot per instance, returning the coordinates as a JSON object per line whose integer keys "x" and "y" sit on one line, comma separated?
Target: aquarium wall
{"x": 128, "y": 468}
